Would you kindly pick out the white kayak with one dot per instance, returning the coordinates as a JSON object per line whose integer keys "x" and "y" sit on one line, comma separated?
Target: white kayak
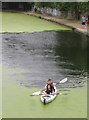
{"x": 46, "y": 98}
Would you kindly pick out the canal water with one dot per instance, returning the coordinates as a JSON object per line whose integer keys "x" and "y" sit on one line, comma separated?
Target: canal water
{"x": 44, "y": 55}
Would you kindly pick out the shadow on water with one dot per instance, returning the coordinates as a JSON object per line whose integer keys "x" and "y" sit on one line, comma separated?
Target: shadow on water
{"x": 46, "y": 55}
{"x": 72, "y": 47}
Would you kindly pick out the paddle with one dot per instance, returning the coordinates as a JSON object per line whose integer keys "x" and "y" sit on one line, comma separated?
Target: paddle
{"x": 36, "y": 93}
{"x": 64, "y": 90}
{"x": 63, "y": 81}
{"x": 39, "y": 92}
{"x": 62, "y": 94}
{"x": 48, "y": 95}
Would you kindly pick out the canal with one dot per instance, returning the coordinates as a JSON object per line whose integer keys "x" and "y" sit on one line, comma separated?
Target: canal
{"x": 31, "y": 57}
{"x": 44, "y": 55}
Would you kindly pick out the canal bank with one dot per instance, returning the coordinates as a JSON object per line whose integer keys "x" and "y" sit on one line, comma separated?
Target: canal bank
{"x": 64, "y": 22}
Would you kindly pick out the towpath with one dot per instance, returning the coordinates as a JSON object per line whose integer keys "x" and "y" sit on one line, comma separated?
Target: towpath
{"x": 71, "y": 24}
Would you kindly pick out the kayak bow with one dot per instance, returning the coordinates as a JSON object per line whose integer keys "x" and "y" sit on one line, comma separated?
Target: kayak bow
{"x": 46, "y": 98}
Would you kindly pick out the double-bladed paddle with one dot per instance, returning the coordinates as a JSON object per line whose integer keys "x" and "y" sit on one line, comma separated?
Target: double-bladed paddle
{"x": 39, "y": 92}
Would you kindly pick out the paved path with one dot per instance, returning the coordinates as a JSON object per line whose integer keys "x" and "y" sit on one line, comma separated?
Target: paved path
{"x": 76, "y": 26}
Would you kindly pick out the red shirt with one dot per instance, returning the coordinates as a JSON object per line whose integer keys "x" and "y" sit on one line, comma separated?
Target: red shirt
{"x": 86, "y": 21}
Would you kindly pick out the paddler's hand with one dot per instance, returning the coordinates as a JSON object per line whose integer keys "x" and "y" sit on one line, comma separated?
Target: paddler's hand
{"x": 55, "y": 84}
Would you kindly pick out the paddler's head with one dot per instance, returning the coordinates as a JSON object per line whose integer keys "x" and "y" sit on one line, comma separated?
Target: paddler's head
{"x": 49, "y": 87}
{"x": 50, "y": 81}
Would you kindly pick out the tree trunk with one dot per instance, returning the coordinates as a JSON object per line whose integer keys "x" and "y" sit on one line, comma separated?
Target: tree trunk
{"x": 77, "y": 13}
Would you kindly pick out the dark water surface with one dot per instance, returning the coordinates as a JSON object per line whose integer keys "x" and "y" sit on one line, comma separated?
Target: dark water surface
{"x": 46, "y": 55}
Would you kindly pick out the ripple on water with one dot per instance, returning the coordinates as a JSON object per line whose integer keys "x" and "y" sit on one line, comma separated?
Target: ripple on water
{"x": 46, "y": 55}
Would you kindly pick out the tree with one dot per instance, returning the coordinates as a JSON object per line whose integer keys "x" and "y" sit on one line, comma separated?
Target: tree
{"x": 75, "y": 7}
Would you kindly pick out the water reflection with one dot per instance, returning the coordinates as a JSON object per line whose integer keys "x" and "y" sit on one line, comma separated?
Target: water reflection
{"x": 72, "y": 47}
{"x": 46, "y": 55}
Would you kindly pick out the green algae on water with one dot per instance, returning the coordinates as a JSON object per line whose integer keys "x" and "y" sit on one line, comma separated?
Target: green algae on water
{"x": 19, "y": 22}
{"x": 18, "y": 104}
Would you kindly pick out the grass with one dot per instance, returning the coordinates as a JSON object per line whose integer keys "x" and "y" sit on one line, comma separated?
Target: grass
{"x": 38, "y": 12}
{"x": 18, "y": 22}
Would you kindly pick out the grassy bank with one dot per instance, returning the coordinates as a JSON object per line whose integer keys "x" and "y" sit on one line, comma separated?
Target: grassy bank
{"x": 18, "y": 22}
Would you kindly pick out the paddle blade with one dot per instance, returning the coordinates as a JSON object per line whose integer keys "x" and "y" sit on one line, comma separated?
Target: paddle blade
{"x": 63, "y": 81}
{"x": 36, "y": 93}
{"x": 62, "y": 93}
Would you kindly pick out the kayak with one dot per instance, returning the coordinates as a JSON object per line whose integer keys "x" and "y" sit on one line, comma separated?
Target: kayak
{"x": 46, "y": 98}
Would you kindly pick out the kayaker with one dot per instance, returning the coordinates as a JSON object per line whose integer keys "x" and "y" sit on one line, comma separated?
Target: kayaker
{"x": 51, "y": 83}
{"x": 49, "y": 88}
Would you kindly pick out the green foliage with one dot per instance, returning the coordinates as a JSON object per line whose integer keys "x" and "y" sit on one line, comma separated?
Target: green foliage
{"x": 39, "y": 17}
{"x": 76, "y": 7}
{"x": 65, "y": 6}
{"x": 41, "y": 4}
{"x": 30, "y": 3}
